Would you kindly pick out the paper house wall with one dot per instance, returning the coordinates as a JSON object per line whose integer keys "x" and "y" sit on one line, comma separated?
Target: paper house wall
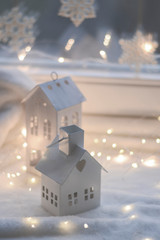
{"x": 48, "y": 107}
{"x": 71, "y": 177}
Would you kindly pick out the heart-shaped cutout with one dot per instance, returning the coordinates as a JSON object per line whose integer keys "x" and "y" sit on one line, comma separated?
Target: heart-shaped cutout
{"x": 80, "y": 165}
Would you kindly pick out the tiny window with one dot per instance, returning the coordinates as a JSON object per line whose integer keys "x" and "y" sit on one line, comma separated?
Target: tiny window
{"x": 66, "y": 82}
{"x": 43, "y": 188}
{"x": 75, "y": 118}
{"x": 86, "y": 191}
{"x": 75, "y": 201}
{"x": 35, "y": 155}
{"x": 44, "y": 104}
{"x": 46, "y": 197}
{"x": 70, "y": 203}
{"x": 49, "y": 87}
{"x": 64, "y": 121}
{"x": 43, "y": 195}
{"x": 86, "y": 197}
{"x": 75, "y": 194}
{"x": 58, "y": 84}
{"x": 91, "y": 195}
{"x": 47, "y": 129}
{"x": 91, "y": 189}
{"x": 51, "y": 201}
{"x": 52, "y": 194}
{"x": 34, "y": 125}
{"x": 47, "y": 190}
{"x": 69, "y": 196}
{"x": 55, "y": 204}
{"x": 56, "y": 197}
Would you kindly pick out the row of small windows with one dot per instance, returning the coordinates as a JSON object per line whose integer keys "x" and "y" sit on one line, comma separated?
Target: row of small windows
{"x": 75, "y": 119}
{"x": 53, "y": 198}
{"x": 47, "y": 125}
{"x": 72, "y": 198}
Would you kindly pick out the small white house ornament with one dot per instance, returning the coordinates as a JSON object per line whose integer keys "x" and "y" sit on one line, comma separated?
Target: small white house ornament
{"x": 48, "y": 107}
{"x": 71, "y": 177}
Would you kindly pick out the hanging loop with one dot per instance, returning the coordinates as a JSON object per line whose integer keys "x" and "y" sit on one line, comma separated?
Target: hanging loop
{"x": 54, "y": 76}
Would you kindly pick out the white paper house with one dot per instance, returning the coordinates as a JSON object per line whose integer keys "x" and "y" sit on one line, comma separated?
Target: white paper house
{"x": 71, "y": 177}
{"x": 48, "y": 107}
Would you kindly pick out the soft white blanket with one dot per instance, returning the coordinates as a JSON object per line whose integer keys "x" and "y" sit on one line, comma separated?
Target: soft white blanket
{"x": 14, "y": 85}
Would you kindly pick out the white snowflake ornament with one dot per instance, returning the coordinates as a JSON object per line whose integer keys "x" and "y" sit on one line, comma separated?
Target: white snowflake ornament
{"x": 77, "y": 10}
{"x": 138, "y": 50}
{"x": 17, "y": 30}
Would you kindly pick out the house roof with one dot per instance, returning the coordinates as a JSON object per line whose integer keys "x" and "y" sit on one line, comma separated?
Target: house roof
{"x": 58, "y": 166}
{"x": 62, "y": 93}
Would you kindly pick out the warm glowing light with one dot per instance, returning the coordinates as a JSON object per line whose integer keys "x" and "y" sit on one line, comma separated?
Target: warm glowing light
{"x": 120, "y": 158}
{"x": 143, "y": 141}
{"x": 8, "y": 175}
{"x": 24, "y": 132}
{"x": 34, "y": 151}
{"x": 108, "y": 158}
{"x": 33, "y": 180}
{"x": 99, "y": 154}
{"x": 147, "y": 47}
{"x": 104, "y": 140}
{"x": 92, "y": 153}
{"x": 109, "y": 131}
{"x": 107, "y": 39}
{"x": 150, "y": 163}
{"x": 18, "y": 157}
{"x": 96, "y": 140}
{"x": 142, "y": 160}
{"x": 69, "y": 44}
{"x": 121, "y": 151}
{"x": 86, "y": 225}
{"x": 11, "y": 183}
{"x": 103, "y": 54}
{"x": 133, "y": 217}
{"x": 158, "y": 140}
{"x": 21, "y": 56}
{"x": 66, "y": 226}
{"x": 131, "y": 153}
{"x": 24, "y": 168}
{"x": 25, "y": 144}
{"x": 148, "y": 239}
{"x": 134, "y": 165}
{"x": 158, "y": 118}
{"x": 114, "y": 145}
{"x": 30, "y": 189}
{"x": 31, "y": 221}
{"x": 127, "y": 208}
{"x": 28, "y": 48}
{"x": 60, "y": 59}
{"x": 18, "y": 174}
{"x": 13, "y": 175}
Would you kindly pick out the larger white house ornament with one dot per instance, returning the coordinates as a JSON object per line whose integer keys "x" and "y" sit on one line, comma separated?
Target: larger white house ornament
{"x": 71, "y": 177}
{"x": 48, "y": 107}
{"x": 77, "y": 10}
{"x": 138, "y": 50}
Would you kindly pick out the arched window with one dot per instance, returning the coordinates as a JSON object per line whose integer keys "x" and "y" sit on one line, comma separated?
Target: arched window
{"x": 75, "y": 118}
{"x": 34, "y": 125}
{"x": 64, "y": 121}
{"x": 47, "y": 129}
{"x": 35, "y": 157}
